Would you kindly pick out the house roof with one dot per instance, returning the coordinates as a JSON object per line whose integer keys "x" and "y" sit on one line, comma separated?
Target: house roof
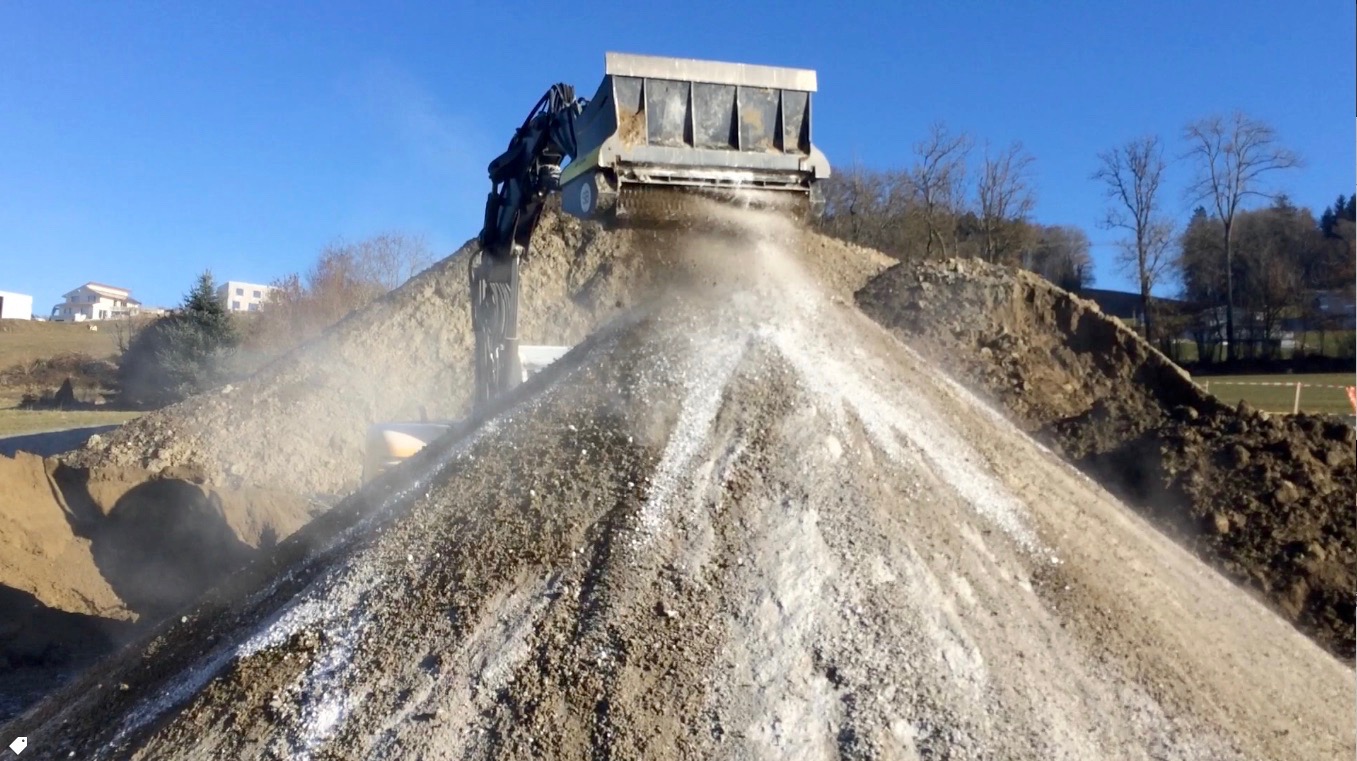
{"x": 110, "y": 288}
{"x": 1121, "y": 303}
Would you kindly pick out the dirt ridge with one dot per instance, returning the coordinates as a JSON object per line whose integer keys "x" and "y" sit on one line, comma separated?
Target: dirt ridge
{"x": 1266, "y": 499}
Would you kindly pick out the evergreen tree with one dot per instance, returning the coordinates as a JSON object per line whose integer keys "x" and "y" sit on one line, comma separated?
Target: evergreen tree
{"x": 208, "y": 313}
{"x": 181, "y": 354}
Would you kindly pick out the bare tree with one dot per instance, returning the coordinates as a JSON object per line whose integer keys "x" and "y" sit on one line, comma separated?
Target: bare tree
{"x": 1232, "y": 155}
{"x": 1060, "y": 254}
{"x": 869, "y": 207}
{"x": 853, "y": 205}
{"x": 389, "y": 259}
{"x": 1132, "y": 173}
{"x": 344, "y": 278}
{"x": 938, "y": 182}
{"x": 1004, "y": 197}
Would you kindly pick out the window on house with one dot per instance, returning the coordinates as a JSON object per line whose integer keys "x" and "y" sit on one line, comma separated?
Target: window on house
{"x": 240, "y": 291}
{"x": 254, "y": 307}
{"x": 235, "y": 306}
{"x": 257, "y": 294}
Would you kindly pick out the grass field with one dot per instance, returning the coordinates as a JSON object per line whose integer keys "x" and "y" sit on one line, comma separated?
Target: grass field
{"x": 1316, "y": 398}
{"x": 15, "y": 422}
{"x": 22, "y": 341}
{"x": 1336, "y": 343}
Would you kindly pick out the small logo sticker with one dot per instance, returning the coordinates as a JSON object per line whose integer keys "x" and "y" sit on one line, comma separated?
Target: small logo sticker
{"x": 586, "y": 197}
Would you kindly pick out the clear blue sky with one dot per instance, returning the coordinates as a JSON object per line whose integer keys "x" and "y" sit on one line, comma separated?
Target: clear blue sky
{"x": 142, "y": 142}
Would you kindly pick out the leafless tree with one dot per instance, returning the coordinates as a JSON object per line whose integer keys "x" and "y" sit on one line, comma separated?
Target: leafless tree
{"x": 1060, "y": 254}
{"x": 1232, "y": 155}
{"x": 938, "y": 182}
{"x": 1004, "y": 196}
{"x": 1132, "y": 173}
{"x": 389, "y": 259}
{"x": 344, "y": 278}
{"x": 868, "y": 207}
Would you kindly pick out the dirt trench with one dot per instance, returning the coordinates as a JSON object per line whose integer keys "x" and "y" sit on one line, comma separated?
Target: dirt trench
{"x": 90, "y": 558}
{"x": 742, "y": 521}
{"x": 1266, "y": 499}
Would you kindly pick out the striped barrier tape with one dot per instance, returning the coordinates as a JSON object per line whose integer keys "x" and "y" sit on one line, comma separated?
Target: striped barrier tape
{"x": 1205, "y": 385}
{"x": 1292, "y": 384}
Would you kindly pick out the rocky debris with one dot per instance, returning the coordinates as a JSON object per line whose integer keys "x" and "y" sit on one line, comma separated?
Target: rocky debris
{"x": 1241, "y": 488}
{"x": 654, "y": 551}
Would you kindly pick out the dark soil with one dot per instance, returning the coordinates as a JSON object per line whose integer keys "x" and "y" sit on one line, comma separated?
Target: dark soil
{"x": 1266, "y": 499}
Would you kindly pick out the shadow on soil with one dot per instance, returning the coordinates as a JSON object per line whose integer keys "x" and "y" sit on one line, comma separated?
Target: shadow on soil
{"x": 41, "y": 647}
{"x": 52, "y": 442}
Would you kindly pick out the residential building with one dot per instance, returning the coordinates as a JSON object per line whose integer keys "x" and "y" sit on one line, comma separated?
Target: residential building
{"x": 96, "y": 301}
{"x": 1337, "y": 309}
{"x": 239, "y": 296}
{"x": 15, "y": 306}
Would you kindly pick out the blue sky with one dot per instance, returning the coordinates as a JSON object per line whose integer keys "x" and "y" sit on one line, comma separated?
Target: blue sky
{"x": 142, "y": 142}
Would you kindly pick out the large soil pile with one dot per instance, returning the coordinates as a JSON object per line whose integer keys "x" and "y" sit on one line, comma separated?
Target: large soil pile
{"x": 299, "y": 424}
{"x": 85, "y": 554}
{"x": 1266, "y": 499}
{"x": 741, "y": 522}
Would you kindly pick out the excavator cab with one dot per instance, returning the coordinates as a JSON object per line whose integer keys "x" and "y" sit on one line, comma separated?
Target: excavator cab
{"x": 661, "y": 127}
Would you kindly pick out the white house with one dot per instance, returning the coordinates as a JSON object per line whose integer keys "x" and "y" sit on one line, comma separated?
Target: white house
{"x": 96, "y": 301}
{"x": 15, "y": 306}
{"x": 239, "y": 296}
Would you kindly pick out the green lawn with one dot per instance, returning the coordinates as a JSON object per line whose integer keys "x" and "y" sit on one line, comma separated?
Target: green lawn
{"x": 1314, "y": 398}
{"x": 17, "y": 422}
{"x": 1336, "y": 343}
{"x": 22, "y": 341}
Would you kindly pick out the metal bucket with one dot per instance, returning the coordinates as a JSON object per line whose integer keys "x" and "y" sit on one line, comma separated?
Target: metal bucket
{"x": 672, "y": 123}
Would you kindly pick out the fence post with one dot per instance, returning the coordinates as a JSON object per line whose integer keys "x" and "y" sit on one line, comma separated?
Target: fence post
{"x": 1295, "y": 408}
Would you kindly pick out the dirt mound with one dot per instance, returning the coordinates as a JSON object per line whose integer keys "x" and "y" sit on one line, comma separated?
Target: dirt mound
{"x": 298, "y": 425}
{"x": 1266, "y": 499}
{"x": 741, "y": 521}
{"x": 85, "y": 554}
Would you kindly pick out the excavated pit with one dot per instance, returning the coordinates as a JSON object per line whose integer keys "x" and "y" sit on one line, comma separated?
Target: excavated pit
{"x": 739, "y": 521}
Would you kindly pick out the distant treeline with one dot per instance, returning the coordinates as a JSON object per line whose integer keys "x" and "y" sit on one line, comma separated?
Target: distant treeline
{"x": 1248, "y": 268}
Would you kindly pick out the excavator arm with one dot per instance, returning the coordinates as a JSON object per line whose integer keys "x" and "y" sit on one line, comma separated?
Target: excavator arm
{"x": 521, "y": 178}
{"x": 656, "y": 126}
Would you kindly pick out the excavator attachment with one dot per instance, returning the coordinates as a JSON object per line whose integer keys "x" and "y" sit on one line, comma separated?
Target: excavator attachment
{"x": 660, "y": 129}
{"x": 659, "y": 134}
{"x": 390, "y": 443}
